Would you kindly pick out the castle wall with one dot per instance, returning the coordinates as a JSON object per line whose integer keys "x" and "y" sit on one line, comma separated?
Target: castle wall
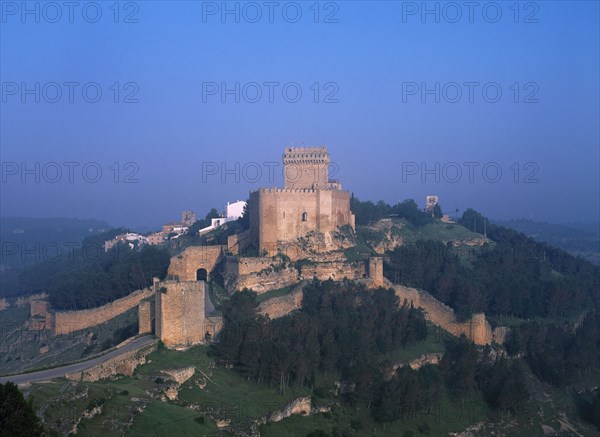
{"x": 285, "y": 214}
{"x": 145, "y": 316}
{"x": 180, "y": 320}
{"x": 65, "y": 322}
{"x": 477, "y": 329}
{"x": 185, "y": 265}
{"x": 246, "y": 265}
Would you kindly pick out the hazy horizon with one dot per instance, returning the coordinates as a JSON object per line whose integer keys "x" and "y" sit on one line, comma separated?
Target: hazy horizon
{"x": 396, "y": 96}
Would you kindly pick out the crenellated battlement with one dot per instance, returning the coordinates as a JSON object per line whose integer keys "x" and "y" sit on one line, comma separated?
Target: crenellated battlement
{"x": 331, "y": 187}
{"x": 306, "y": 155}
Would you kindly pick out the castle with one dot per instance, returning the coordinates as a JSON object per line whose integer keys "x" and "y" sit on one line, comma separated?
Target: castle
{"x": 309, "y": 206}
{"x": 308, "y": 202}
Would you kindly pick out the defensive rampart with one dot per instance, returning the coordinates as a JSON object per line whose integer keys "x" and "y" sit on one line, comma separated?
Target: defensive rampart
{"x": 477, "y": 329}
{"x": 65, "y": 322}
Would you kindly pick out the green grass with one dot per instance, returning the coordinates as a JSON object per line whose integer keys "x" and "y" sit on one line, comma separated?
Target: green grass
{"x": 434, "y": 343}
{"x": 274, "y": 293}
{"x": 164, "y": 419}
{"x": 63, "y": 402}
{"x": 226, "y": 390}
{"x": 447, "y": 416}
{"x": 438, "y": 231}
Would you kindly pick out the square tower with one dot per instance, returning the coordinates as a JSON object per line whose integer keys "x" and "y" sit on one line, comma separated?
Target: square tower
{"x": 306, "y": 167}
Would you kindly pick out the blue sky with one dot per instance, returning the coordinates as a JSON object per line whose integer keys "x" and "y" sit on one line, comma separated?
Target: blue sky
{"x": 372, "y": 68}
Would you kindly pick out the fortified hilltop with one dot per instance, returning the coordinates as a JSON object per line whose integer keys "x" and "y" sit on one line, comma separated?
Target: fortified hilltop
{"x": 296, "y": 233}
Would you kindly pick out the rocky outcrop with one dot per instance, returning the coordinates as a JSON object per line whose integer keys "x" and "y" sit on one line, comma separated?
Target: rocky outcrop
{"x": 432, "y": 358}
{"x": 274, "y": 273}
{"x": 390, "y": 237}
{"x": 124, "y": 364}
{"x": 180, "y": 375}
{"x": 301, "y": 405}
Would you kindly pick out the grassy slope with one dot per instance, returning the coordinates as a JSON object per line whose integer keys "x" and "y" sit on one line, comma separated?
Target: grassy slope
{"x": 227, "y": 391}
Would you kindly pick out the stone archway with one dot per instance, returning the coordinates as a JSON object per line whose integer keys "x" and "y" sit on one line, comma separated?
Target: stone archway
{"x": 186, "y": 265}
{"x": 201, "y": 275}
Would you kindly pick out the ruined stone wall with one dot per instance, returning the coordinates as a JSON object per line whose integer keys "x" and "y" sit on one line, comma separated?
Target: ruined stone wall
{"x": 4, "y": 304}
{"x": 65, "y": 322}
{"x": 180, "y": 319}
{"x": 123, "y": 364}
{"x": 185, "y": 265}
{"x": 271, "y": 277}
{"x": 477, "y": 329}
{"x": 282, "y": 305}
{"x": 246, "y": 265}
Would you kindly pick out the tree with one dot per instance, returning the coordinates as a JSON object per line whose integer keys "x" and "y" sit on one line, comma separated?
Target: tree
{"x": 437, "y": 211}
{"x": 17, "y": 417}
{"x": 244, "y": 220}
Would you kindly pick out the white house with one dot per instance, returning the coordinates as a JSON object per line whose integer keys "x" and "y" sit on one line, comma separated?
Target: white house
{"x": 233, "y": 211}
{"x": 128, "y": 238}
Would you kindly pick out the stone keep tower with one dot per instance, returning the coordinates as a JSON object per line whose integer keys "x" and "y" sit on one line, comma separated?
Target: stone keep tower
{"x": 306, "y": 167}
{"x": 308, "y": 202}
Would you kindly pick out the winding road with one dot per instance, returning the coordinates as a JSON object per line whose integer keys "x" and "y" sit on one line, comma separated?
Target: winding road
{"x": 58, "y": 372}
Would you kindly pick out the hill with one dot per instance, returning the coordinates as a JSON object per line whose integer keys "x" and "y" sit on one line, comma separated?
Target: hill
{"x": 579, "y": 240}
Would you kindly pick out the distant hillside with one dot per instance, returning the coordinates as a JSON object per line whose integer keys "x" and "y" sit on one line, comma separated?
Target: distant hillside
{"x": 578, "y": 239}
{"x": 25, "y": 240}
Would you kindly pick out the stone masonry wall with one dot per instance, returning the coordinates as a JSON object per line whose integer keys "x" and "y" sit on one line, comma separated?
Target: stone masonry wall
{"x": 282, "y": 305}
{"x": 145, "y": 316}
{"x": 180, "y": 319}
{"x": 278, "y": 215}
{"x": 185, "y": 265}
{"x": 477, "y": 329}
{"x": 65, "y": 322}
